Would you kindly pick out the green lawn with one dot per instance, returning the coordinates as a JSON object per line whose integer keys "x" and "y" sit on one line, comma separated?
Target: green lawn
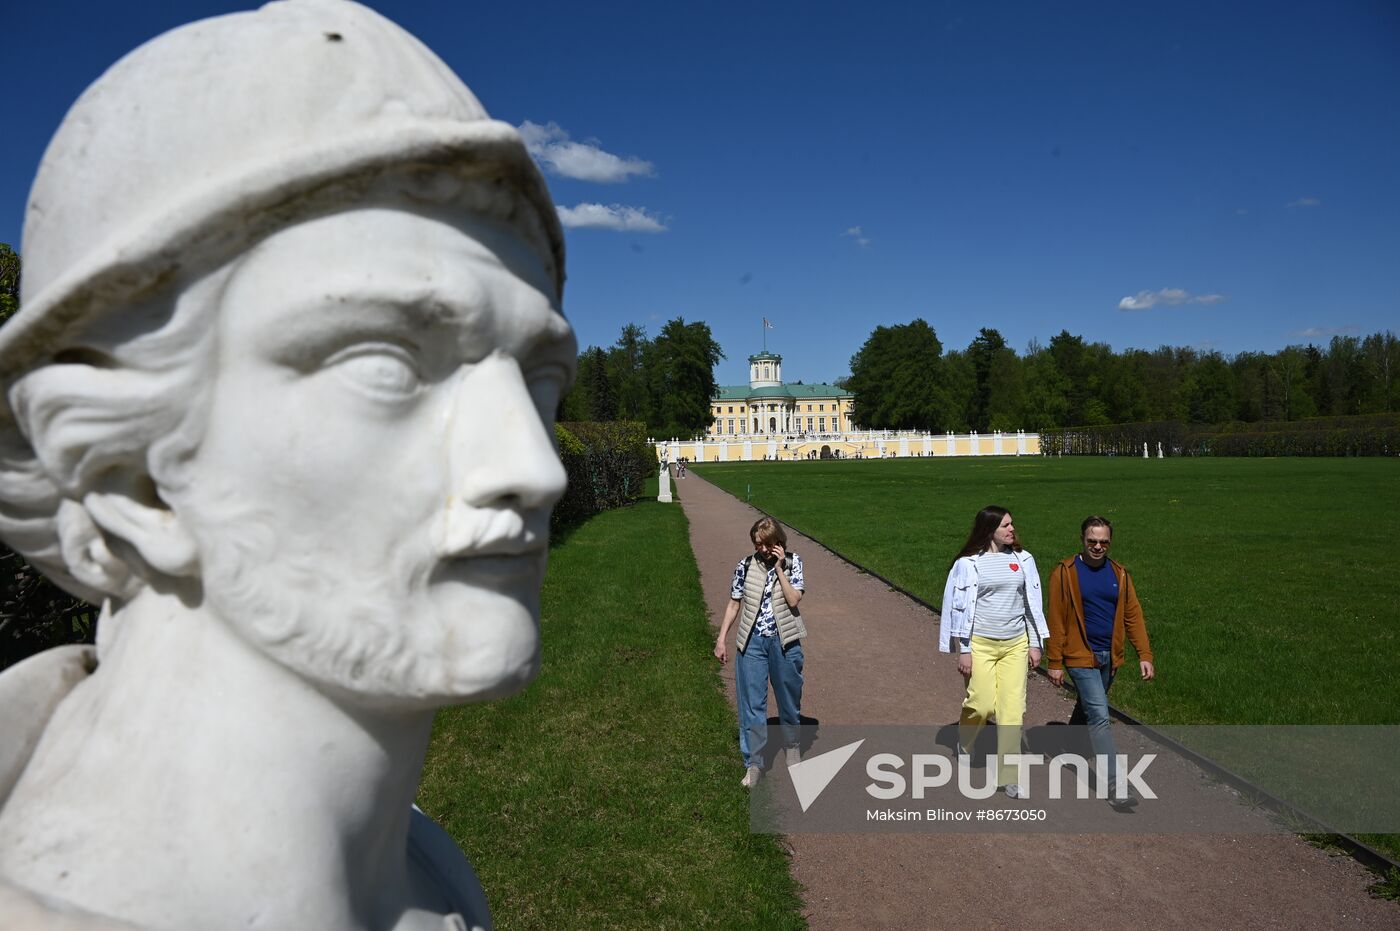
{"x": 1269, "y": 585}
{"x": 607, "y": 795}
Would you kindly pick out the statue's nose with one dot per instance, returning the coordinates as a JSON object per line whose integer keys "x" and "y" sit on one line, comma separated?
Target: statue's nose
{"x": 501, "y": 452}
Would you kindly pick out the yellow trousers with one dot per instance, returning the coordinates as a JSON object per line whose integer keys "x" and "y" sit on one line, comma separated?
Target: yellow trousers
{"x": 997, "y": 686}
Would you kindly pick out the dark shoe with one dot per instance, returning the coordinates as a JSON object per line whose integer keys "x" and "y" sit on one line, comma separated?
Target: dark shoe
{"x": 1123, "y": 804}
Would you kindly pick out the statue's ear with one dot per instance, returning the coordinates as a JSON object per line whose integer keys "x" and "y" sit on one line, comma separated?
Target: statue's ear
{"x": 151, "y": 529}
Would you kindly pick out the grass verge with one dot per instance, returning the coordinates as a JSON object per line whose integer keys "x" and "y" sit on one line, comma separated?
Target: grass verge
{"x": 607, "y": 794}
{"x": 1265, "y": 584}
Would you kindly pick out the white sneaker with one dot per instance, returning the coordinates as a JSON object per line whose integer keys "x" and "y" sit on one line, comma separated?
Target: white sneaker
{"x": 1014, "y": 790}
{"x": 794, "y": 756}
{"x": 751, "y": 777}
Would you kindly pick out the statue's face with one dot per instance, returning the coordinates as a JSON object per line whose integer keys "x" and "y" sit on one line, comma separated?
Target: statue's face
{"x": 371, "y": 497}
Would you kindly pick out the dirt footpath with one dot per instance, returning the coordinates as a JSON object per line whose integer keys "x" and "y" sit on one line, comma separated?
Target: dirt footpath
{"x": 871, "y": 658}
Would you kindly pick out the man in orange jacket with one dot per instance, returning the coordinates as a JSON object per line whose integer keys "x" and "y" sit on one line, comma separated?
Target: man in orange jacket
{"x": 1093, "y": 607}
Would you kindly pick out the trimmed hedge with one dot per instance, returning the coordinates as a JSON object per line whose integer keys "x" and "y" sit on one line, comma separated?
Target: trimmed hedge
{"x": 1362, "y": 435}
{"x": 607, "y": 463}
{"x": 1119, "y": 439}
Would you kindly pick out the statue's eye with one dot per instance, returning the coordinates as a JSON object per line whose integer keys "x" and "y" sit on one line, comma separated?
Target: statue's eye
{"x": 382, "y": 370}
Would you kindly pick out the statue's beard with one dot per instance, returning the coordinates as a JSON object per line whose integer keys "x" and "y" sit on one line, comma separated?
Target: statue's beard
{"x": 369, "y": 631}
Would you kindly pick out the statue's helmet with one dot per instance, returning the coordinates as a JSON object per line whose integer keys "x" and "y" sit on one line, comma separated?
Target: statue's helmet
{"x": 206, "y": 139}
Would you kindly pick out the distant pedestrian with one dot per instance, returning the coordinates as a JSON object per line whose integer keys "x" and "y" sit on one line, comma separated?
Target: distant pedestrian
{"x": 1093, "y": 608}
{"x": 764, "y": 594}
{"x": 993, "y": 618}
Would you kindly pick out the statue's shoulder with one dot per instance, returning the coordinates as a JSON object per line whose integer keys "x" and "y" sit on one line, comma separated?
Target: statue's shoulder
{"x": 29, "y": 693}
{"x": 441, "y": 874}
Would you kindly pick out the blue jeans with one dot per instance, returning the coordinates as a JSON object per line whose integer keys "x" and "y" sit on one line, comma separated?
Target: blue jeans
{"x": 1092, "y": 709}
{"x": 764, "y": 659}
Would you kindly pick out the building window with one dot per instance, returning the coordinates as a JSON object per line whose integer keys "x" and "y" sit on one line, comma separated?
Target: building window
{"x": 809, "y": 422}
{"x": 823, "y": 424}
{"x": 731, "y": 408}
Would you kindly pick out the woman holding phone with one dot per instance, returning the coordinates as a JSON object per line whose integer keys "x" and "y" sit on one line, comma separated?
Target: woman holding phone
{"x": 764, "y": 594}
{"x": 994, "y": 620}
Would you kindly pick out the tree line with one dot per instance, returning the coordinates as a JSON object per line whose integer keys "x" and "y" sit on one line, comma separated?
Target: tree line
{"x": 665, "y": 382}
{"x": 902, "y": 379}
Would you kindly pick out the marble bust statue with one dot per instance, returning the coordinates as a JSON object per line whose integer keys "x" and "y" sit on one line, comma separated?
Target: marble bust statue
{"x": 279, "y": 398}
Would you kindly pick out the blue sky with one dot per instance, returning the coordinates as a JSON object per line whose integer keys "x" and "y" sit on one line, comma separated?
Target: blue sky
{"x": 1217, "y": 175}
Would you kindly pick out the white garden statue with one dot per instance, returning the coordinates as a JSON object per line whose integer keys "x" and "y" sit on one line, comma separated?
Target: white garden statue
{"x": 664, "y": 494}
{"x": 279, "y": 398}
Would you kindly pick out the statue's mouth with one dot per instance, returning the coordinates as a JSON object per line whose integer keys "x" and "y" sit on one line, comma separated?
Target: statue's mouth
{"x": 520, "y": 570}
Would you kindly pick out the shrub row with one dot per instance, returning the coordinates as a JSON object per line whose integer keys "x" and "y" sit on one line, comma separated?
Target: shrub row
{"x": 1300, "y": 440}
{"x": 1120, "y": 439}
{"x": 606, "y": 464}
{"x": 1362, "y": 435}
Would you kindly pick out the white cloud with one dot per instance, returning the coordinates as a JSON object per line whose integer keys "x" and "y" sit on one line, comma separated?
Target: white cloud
{"x": 1145, "y": 299}
{"x": 1306, "y": 202}
{"x": 611, "y": 217}
{"x": 557, "y": 153}
{"x": 855, "y": 233}
{"x": 1321, "y": 332}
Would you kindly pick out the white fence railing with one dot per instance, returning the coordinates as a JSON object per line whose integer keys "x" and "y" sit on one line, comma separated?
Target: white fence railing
{"x": 867, "y": 444}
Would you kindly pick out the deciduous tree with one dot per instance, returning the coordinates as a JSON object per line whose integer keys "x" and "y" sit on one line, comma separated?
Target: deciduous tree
{"x": 897, "y": 379}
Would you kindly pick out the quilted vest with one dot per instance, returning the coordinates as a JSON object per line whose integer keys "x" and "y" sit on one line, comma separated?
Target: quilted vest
{"x": 789, "y": 619}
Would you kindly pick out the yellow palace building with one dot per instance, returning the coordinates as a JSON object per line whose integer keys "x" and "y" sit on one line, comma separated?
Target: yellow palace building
{"x": 769, "y": 420}
{"x": 766, "y": 407}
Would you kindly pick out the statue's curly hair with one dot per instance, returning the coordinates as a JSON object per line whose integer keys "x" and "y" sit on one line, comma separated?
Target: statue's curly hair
{"x": 109, "y": 407}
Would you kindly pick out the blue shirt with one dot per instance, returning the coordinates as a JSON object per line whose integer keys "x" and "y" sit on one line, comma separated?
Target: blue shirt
{"x": 1098, "y": 589}
{"x": 764, "y": 625}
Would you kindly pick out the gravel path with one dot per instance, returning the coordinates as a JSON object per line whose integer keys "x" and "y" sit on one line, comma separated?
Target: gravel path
{"x": 871, "y": 659}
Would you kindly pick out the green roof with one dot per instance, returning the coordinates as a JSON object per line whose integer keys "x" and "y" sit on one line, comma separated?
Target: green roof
{"x": 744, "y": 392}
{"x": 765, "y": 355}
{"x": 818, "y": 391}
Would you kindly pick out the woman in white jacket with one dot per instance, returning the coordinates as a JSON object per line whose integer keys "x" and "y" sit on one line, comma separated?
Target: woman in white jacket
{"x": 994, "y": 619}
